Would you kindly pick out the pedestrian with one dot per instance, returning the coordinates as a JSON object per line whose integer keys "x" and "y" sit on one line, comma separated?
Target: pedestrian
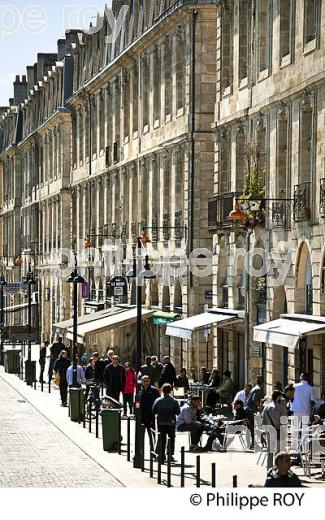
{"x": 42, "y": 360}
{"x": 271, "y": 417}
{"x": 214, "y": 379}
{"x": 129, "y": 388}
{"x": 109, "y": 357}
{"x": 243, "y": 394}
{"x": 148, "y": 395}
{"x": 89, "y": 375}
{"x": 289, "y": 394}
{"x": 55, "y": 351}
{"x": 157, "y": 370}
{"x": 225, "y": 392}
{"x": 303, "y": 401}
{"x": 61, "y": 366}
{"x": 166, "y": 408}
{"x": 77, "y": 370}
{"x": 147, "y": 369}
{"x": 205, "y": 375}
{"x": 281, "y": 475}
{"x": 114, "y": 378}
{"x": 99, "y": 368}
{"x": 168, "y": 373}
{"x": 252, "y": 406}
{"x": 182, "y": 380}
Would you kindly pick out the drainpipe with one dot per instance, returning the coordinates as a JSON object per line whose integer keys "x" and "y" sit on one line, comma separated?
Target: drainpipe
{"x": 192, "y": 141}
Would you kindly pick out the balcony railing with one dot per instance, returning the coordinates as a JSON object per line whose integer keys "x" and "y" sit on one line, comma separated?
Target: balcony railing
{"x": 281, "y": 213}
{"x": 165, "y": 225}
{"x": 322, "y": 198}
{"x": 301, "y": 202}
{"x": 219, "y": 207}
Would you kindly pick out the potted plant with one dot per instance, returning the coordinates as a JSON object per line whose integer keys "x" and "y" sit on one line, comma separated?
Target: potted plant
{"x": 251, "y": 199}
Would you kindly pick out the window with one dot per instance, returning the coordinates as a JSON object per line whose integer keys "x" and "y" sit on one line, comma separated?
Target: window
{"x": 226, "y": 47}
{"x": 102, "y": 119}
{"x": 157, "y": 84}
{"x": 168, "y": 76}
{"x": 126, "y": 103}
{"x": 282, "y": 156}
{"x": 145, "y": 91}
{"x": 286, "y": 27}
{"x": 244, "y": 32}
{"x": 261, "y": 149}
{"x": 180, "y": 71}
{"x": 263, "y": 35}
{"x": 306, "y": 141}
{"x": 135, "y": 98}
{"x": 224, "y": 169}
{"x": 311, "y": 19}
{"x": 109, "y": 116}
{"x": 81, "y": 135}
{"x": 240, "y": 158}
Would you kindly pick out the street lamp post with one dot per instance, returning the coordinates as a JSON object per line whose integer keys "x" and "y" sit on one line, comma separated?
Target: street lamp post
{"x": 138, "y": 275}
{"x": 29, "y": 280}
{"x": 3, "y": 283}
{"x": 75, "y": 279}
{"x": 237, "y": 216}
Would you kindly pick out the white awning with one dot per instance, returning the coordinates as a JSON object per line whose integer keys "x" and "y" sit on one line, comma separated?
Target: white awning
{"x": 117, "y": 320}
{"x": 287, "y": 331}
{"x": 184, "y": 328}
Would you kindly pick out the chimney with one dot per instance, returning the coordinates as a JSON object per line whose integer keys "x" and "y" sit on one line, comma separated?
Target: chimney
{"x": 71, "y": 36}
{"x": 44, "y": 63}
{"x": 61, "y": 49}
{"x": 20, "y": 90}
{"x": 31, "y": 77}
{"x": 11, "y": 102}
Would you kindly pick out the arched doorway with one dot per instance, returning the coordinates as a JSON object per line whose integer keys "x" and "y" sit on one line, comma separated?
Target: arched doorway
{"x": 277, "y": 353}
{"x": 303, "y": 304}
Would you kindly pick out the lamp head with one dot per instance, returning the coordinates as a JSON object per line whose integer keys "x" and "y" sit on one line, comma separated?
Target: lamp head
{"x": 237, "y": 215}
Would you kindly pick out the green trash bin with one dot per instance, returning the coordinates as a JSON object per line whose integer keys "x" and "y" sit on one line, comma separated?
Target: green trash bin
{"x": 111, "y": 428}
{"x": 76, "y": 404}
{"x": 12, "y": 359}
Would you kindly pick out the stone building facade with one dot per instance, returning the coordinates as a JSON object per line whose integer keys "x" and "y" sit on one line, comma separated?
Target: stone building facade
{"x": 270, "y": 106}
{"x": 115, "y": 139}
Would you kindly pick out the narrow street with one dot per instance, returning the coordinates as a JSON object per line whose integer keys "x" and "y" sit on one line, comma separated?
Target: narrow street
{"x": 34, "y": 453}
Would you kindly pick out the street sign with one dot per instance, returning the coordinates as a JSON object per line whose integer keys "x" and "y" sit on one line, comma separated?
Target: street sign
{"x": 119, "y": 289}
{"x": 208, "y": 294}
{"x": 13, "y": 288}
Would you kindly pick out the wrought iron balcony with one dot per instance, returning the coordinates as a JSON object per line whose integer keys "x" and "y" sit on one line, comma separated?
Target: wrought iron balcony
{"x": 301, "y": 202}
{"x": 179, "y": 228}
{"x": 165, "y": 225}
{"x": 281, "y": 213}
{"x": 322, "y": 198}
{"x": 154, "y": 231}
{"x": 219, "y": 207}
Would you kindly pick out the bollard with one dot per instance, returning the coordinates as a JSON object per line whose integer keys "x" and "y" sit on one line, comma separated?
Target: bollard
{"x": 42, "y": 385}
{"x": 84, "y": 414}
{"x": 198, "y": 471}
{"x": 142, "y": 447}
{"x": 234, "y": 481}
{"x": 213, "y": 475}
{"x": 159, "y": 460}
{"x": 128, "y": 437}
{"x": 182, "y": 467}
{"x": 89, "y": 418}
{"x": 35, "y": 385}
{"x": 96, "y": 425}
{"x": 79, "y": 411}
{"x": 169, "y": 462}
{"x": 49, "y": 386}
{"x": 119, "y": 437}
{"x": 151, "y": 464}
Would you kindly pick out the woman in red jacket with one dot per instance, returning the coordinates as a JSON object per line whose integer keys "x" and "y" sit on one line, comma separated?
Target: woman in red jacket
{"x": 128, "y": 390}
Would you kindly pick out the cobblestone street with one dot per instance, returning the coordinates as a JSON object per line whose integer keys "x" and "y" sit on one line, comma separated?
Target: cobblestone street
{"x": 34, "y": 453}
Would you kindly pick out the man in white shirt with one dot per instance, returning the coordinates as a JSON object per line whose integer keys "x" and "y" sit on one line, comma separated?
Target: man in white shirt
{"x": 80, "y": 375}
{"x": 242, "y": 394}
{"x": 304, "y": 397}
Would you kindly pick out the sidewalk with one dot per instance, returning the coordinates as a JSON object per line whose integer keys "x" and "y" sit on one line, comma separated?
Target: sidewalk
{"x": 243, "y": 465}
